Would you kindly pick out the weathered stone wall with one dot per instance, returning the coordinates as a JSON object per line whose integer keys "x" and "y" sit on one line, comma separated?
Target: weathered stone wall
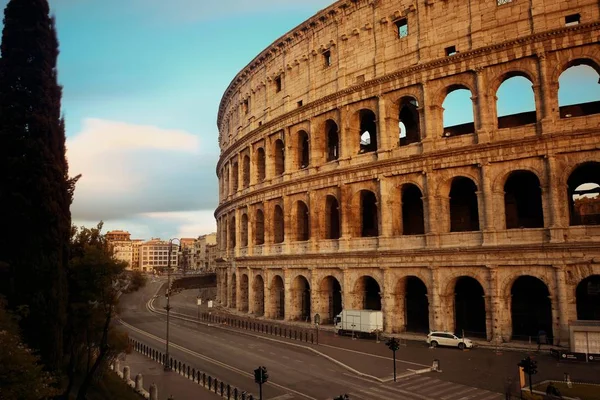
{"x": 372, "y": 68}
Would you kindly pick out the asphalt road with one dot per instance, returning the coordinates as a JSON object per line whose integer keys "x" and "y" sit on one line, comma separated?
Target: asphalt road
{"x": 297, "y": 373}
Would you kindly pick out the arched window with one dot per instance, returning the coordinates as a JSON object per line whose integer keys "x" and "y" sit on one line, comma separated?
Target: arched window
{"x": 278, "y": 225}
{"x": 523, "y": 201}
{"x": 260, "y": 164}
{"x": 412, "y": 210}
{"x": 409, "y": 121}
{"x": 333, "y": 143}
{"x": 531, "y": 308}
{"x": 469, "y": 307}
{"x": 232, "y": 233}
{"x": 234, "y": 176}
{"x": 584, "y": 194}
{"x": 369, "y": 213}
{"x": 302, "y": 222}
{"x": 458, "y": 112}
{"x": 464, "y": 210}
{"x": 588, "y": 298}
{"x": 516, "y": 102}
{"x": 579, "y": 89}
{"x": 368, "y": 131}
{"x": 367, "y": 293}
{"x": 244, "y": 230}
{"x": 246, "y": 171}
{"x": 332, "y": 218}
{"x": 225, "y": 175}
{"x": 259, "y": 228}
{"x": 303, "y": 150}
{"x": 279, "y": 157}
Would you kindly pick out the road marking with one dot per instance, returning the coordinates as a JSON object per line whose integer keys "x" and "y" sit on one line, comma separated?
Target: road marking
{"x": 374, "y": 355}
{"x": 209, "y": 359}
{"x": 467, "y": 390}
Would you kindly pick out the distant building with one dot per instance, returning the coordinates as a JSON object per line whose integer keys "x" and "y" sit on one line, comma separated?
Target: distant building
{"x": 187, "y": 255}
{"x": 135, "y": 247}
{"x": 154, "y": 254}
{"x": 203, "y": 254}
{"x": 211, "y": 257}
{"x": 121, "y": 244}
{"x": 113, "y": 236}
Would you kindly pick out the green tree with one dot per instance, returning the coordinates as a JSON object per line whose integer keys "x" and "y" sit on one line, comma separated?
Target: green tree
{"x": 35, "y": 191}
{"x": 95, "y": 278}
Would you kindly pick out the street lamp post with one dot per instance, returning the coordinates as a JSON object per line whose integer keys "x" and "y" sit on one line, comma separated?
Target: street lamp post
{"x": 168, "y": 296}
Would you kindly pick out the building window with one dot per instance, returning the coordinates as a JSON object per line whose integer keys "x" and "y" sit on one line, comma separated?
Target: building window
{"x": 246, "y": 106}
{"x": 450, "y": 51}
{"x": 327, "y": 58}
{"x": 503, "y": 2}
{"x": 278, "y": 84}
{"x": 402, "y": 26}
{"x": 300, "y": 103}
{"x": 573, "y": 19}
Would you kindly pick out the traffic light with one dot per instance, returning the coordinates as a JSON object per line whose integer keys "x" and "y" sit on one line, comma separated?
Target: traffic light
{"x": 260, "y": 375}
{"x": 393, "y": 344}
{"x": 529, "y": 366}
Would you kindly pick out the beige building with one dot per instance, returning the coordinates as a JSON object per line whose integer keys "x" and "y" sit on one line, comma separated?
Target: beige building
{"x": 135, "y": 247}
{"x": 154, "y": 255}
{"x": 205, "y": 258}
{"x": 343, "y": 185}
{"x": 187, "y": 254}
{"x": 122, "y": 246}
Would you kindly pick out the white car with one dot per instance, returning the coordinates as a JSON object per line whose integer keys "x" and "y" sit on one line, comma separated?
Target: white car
{"x": 435, "y": 339}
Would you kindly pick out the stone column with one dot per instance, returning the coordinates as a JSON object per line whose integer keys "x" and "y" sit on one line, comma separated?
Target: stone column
{"x": 557, "y": 219}
{"x": 386, "y": 206}
{"x": 290, "y": 145}
{"x": 431, "y": 123}
{"x": 549, "y": 96}
{"x": 435, "y": 306}
{"x": 251, "y": 308}
{"x": 347, "y": 289}
{"x": 267, "y": 300}
{"x": 485, "y": 197}
{"x": 385, "y": 126}
{"x": 483, "y": 122}
{"x": 315, "y": 294}
{"x": 493, "y": 310}
{"x": 387, "y": 301}
{"x": 314, "y": 211}
{"x": 561, "y": 328}
{"x": 287, "y": 286}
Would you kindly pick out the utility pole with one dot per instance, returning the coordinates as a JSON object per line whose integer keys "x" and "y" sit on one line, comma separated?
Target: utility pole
{"x": 393, "y": 344}
{"x": 168, "y": 296}
{"x": 260, "y": 376}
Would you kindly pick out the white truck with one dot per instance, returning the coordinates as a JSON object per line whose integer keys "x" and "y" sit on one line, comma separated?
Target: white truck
{"x": 359, "y": 322}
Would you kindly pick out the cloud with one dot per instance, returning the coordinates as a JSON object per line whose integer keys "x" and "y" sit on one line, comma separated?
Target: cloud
{"x": 132, "y": 169}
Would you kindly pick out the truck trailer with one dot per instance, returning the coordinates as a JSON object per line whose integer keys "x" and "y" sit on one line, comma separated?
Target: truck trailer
{"x": 359, "y": 322}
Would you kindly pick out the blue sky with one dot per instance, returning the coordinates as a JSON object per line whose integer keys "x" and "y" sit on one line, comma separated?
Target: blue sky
{"x": 142, "y": 84}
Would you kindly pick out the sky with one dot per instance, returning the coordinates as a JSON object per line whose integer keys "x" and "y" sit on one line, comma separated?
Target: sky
{"x": 142, "y": 81}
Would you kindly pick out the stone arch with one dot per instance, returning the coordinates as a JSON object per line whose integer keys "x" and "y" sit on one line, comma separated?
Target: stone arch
{"x": 369, "y": 214}
{"x": 278, "y": 224}
{"x": 367, "y": 120}
{"x": 464, "y": 208}
{"x": 329, "y": 299}
{"x": 508, "y": 112}
{"x": 583, "y": 194}
{"x": 235, "y": 172}
{"x": 246, "y": 172}
{"x": 302, "y": 221}
{"x": 261, "y": 165}
{"x": 523, "y": 200}
{"x": 279, "y": 157}
{"x": 332, "y": 136}
{"x": 530, "y": 308}
{"x": 413, "y": 220}
{"x": 232, "y": 232}
{"x": 259, "y": 227}
{"x": 332, "y": 218}
{"x": 258, "y": 289}
{"x": 244, "y": 292}
{"x": 303, "y": 149}
{"x": 587, "y": 295}
{"x": 244, "y": 230}
{"x": 411, "y": 305}
{"x": 367, "y": 294}
{"x": 469, "y": 307}
{"x": 456, "y": 96}
{"x": 408, "y": 121}
{"x": 277, "y": 297}
{"x": 233, "y": 299}
{"x": 300, "y": 299}
{"x": 568, "y": 105}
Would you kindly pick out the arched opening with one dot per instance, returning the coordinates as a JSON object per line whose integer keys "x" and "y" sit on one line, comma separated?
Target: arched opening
{"x": 278, "y": 224}
{"x": 330, "y": 299}
{"x": 368, "y": 131}
{"x": 244, "y": 301}
{"x": 523, "y": 201}
{"x": 246, "y": 171}
{"x": 244, "y": 230}
{"x": 302, "y": 222}
{"x": 279, "y": 157}
{"x": 412, "y": 304}
{"x": 464, "y": 211}
{"x": 225, "y": 182}
{"x": 232, "y": 243}
{"x": 409, "y": 121}
{"x": 579, "y": 89}
{"x": 234, "y": 176}
{"x": 303, "y": 150}
{"x": 258, "y": 287}
{"x": 332, "y": 218}
{"x": 469, "y": 307}
{"x": 413, "y": 222}
{"x": 516, "y": 102}
{"x": 260, "y": 164}
{"x": 531, "y": 308}
{"x": 458, "y": 112}
{"x": 300, "y": 299}
{"x": 259, "y": 228}
{"x": 225, "y": 236}
{"x": 333, "y": 141}
{"x": 233, "y": 300}
{"x": 277, "y": 295}
{"x": 588, "y": 298}
{"x": 369, "y": 214}
{"x": 583, "y": 188}
{"x": 367, "y": 294}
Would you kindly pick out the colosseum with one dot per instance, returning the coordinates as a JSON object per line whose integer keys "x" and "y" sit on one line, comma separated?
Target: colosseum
{"x": 346, "y": 182}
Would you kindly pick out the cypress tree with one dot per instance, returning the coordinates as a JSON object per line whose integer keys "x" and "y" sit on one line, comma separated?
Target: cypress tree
{"x": 35, "y": 191}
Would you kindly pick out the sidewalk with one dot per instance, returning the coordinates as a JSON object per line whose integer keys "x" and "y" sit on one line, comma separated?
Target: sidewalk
{"x": 168, "y": 383}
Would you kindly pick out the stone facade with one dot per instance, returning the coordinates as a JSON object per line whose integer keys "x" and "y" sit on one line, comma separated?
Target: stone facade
{"x": 469, "y": 227}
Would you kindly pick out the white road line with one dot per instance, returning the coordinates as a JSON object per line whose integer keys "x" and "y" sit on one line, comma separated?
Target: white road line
{"x": 467, "y": 390}
{"x": 374, "y": 355}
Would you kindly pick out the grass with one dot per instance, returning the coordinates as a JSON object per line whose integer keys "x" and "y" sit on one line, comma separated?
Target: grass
{"x": 583, "y": 391}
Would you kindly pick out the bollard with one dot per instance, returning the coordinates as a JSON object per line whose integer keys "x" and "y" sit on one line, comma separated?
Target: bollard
{"x": 126, "y": 374}
{"x": 216, "y": 385}
{"x": 235, "y": 393}
{"x": 139, "y": 382}
{"x": 153, "y": 392}
{"x": 228, "y": 392}
{"x": 222, "y": 388}
{"x": 117, "y": 365}
{"x": 436, "y": 365}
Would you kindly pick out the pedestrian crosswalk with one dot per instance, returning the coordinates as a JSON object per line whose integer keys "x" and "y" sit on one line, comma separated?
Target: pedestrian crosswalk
{"x": 422, "y": 387}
